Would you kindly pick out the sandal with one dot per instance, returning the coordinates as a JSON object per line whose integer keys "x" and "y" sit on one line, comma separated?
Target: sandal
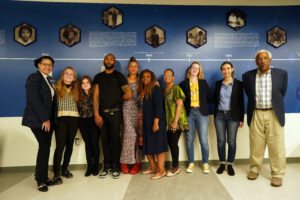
{"x": 158, "y": 175}
{"x": 149, "y": 171}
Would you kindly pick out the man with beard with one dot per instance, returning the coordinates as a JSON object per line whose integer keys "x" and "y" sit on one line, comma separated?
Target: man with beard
{"x": 266, "y": 87}
{"x": 110, "y": 88}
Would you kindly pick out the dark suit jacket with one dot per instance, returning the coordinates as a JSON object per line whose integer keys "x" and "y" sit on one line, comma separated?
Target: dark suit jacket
{"x": 39, "y": 105}
{"x": 236, "y": 100}
{"x": 204, "y": 95}
{"x": 279, "y": 86}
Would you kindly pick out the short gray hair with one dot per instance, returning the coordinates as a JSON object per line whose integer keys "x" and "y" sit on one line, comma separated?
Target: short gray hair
{"x": 263, "y": 51}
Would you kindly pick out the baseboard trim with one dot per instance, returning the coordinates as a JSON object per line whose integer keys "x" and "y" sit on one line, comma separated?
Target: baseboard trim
{"x": 144, "y": 165}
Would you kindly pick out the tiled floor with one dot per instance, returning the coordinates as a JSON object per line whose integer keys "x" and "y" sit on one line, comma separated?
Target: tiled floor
{"x": 20, "y": 185}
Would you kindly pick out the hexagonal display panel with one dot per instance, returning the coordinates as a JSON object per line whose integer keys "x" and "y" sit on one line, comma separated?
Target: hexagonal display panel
{"x": 155, "y": 36}
{"x": 196, "y": 37}
{"x": 112, "y": 17}
{"x": 69, "y": 35}
{"x": 236, "y": 19}
{"x": 276, "y": 36}
{"x": 24, "y": 34}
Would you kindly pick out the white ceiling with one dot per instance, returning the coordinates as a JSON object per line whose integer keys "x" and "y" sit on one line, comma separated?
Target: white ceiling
{"x": 187, "y": 2}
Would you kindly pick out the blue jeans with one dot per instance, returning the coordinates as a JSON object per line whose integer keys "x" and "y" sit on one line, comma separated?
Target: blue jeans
{"x": 226, "y": 127}
{"x": 199, "y": 121}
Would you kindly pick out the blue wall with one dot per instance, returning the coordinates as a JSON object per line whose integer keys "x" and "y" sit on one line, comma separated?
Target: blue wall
{"x": 16, "y": 60}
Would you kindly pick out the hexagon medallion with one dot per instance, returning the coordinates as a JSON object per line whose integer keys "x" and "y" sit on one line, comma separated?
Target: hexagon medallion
{"x": 196, "y": 37}
{"x": 155, "y": 36}
{"x": 236, "y": 19}
{"x": 276, "y": 36}
{"x": 69, "y": 35}
{"x": 112, "y": 17}
{"x": 24, "y": 34}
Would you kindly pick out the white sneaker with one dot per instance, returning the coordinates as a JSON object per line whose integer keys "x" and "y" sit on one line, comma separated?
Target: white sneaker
{"x": 190, "y": 168}
{"x": 206, "y": 168}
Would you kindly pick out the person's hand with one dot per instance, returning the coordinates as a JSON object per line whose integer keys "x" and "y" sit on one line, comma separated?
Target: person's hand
{"x": 46, "y": 126}
{"x": 155, "y": 127}
{"x": 98, "y": 120}
{"x": 241, "y": 124}
{"x": 174, "y": 126}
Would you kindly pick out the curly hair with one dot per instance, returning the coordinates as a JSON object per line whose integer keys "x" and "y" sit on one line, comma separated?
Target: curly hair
{"x": 147, "y": 89}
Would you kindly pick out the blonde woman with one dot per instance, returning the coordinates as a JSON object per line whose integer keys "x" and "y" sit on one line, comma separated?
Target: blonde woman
{"x": 68, "y": 116}
{"x": 197, "y": 95}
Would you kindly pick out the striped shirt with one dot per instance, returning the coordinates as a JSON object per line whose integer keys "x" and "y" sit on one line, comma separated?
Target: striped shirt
{"x": 67, "y": 106}
{"x": 263, "y": 90}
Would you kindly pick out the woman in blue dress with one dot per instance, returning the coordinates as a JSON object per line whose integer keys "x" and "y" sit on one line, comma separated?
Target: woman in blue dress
{"x": 154, "y": 128}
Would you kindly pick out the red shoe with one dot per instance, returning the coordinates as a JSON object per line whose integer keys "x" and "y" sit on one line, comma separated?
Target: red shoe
{"x": 135, "y": 169}
{"x": 124, "y": 168}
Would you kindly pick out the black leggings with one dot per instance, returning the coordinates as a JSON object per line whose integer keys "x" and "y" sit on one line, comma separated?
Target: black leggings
{"x": 64, "y": 135}
{"x": 90, "y": 135}
{"x": 173, "y": 138}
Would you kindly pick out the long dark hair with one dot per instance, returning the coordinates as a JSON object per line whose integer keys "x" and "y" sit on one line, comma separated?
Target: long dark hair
{"x": 149, "y": 88}
{"x": 81, "y": 91}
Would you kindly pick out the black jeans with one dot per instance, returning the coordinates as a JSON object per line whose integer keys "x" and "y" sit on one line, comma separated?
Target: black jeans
{"x": 64, "y": 135}
{"x": 173, "y": 138}
{"x": 90, "y": 135}
{"x": 111, "y": 139}
{"x": 44, "y": 140}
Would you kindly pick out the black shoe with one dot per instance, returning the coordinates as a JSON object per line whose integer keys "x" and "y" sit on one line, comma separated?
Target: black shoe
{"x": 88, "y": 172}
{"x": 116, "y": 174}
{"x": 50, "y": 183}
{"x": 42, "y": 187}
{"x": 67, "y": 174}
{"x": 57, "y": 180}
{"x": 230, "y": 170}
{"x": 95, "y": 172}
{"x": 105, "y": 172}
{"x": 221, "y": 169}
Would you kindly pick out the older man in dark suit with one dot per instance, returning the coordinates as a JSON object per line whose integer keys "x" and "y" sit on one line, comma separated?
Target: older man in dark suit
{"x": 266, "y": 87}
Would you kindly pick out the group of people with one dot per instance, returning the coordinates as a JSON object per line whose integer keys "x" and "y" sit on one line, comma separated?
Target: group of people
{"x": 153, "y": 118}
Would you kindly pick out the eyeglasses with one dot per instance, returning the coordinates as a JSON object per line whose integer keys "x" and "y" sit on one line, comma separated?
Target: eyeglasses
{"x": 48, "y": 65}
